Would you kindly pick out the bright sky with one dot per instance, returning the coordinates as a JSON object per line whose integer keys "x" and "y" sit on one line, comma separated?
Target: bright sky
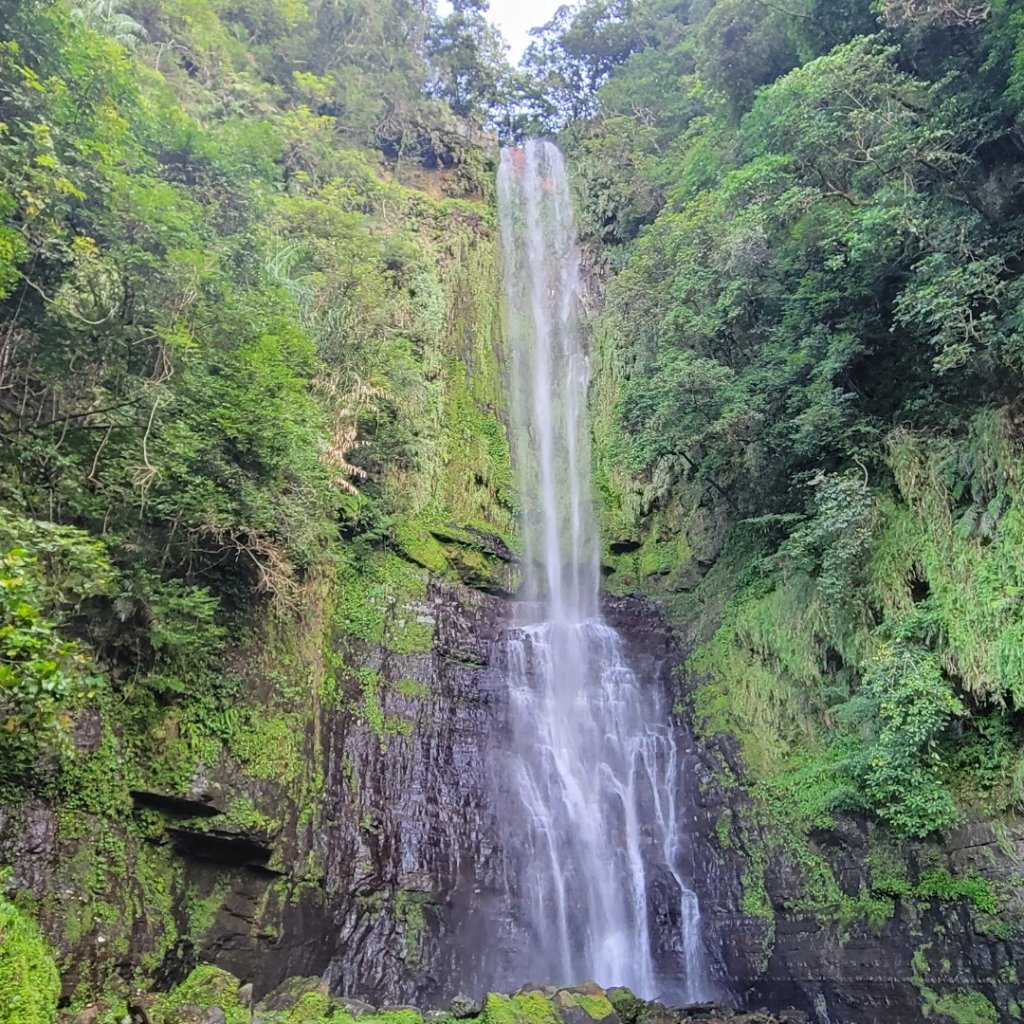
{"x": 515, "y": 18}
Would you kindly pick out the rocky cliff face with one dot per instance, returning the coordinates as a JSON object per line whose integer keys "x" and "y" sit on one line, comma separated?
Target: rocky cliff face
{"x": 840, "y": 924}
{"x": 846, "y": 925}
{"x": 899, "y": 939}
{"x": 385, "y": 879}
{"x": 413, "y": 876}
{"x": 393, "y": 887}
{"x": 828, "y": 914}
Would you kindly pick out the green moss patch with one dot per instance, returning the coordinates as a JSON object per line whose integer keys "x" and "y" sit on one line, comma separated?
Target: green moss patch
{"x": 29, "y": 981}
{"x": 206, "y": 987}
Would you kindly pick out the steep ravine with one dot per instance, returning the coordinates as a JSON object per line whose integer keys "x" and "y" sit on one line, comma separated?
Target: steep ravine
{"x": 407, "y": 902}
{"x": 353, "y": 834}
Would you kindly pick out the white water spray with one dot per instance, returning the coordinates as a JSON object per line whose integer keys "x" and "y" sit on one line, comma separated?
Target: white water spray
{"x": 595, "y": 768}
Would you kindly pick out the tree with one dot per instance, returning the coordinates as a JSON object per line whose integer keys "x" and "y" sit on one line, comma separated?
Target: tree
{"x": 468, "y": 60}
{"x": 572, "y": 56}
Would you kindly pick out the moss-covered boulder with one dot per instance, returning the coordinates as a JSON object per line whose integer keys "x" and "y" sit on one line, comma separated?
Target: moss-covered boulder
{"x": 462, "y": 1007}
{"x": 585, "y": 1004}
{"x": 292, "y": 992}
{"x": 205, "y": 990}
{"x": 628, "y": 1005}
{"x": 314, "y": 1007}
{"x": 533, "y": 1007}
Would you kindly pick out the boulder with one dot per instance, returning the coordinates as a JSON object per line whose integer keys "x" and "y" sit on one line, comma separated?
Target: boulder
{"x": 463, "y": 1007}
{"x": 286, "y": 995}
{"x": 584, "y": 1004}
{"x": 356, "y": 1007}
{"x": 628, "y": 1005}
{"x": 588, "y": 999}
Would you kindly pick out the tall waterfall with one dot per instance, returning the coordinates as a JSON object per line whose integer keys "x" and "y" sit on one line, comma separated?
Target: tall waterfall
{"x": 594, "y": 773}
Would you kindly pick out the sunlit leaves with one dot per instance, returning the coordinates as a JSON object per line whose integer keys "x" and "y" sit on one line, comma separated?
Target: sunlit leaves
{"x": 111, "y": 18}
{"x": 904, "y": 706}
{"x": 45, "y": 572}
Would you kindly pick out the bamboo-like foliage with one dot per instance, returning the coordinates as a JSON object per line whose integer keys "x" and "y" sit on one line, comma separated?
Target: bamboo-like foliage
{"x": 112, "y": 18}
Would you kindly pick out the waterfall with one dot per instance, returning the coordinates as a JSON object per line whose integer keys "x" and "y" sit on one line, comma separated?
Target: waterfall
{"x": 593, "y": 775}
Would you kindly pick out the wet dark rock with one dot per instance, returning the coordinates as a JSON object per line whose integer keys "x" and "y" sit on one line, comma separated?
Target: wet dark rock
{"x": 241, "y": 849}
{"x": 624, "y": 547}
{"x": 88, "y": 732}
{"x": 202, "y": 806}
{"x": 138, "y": 1011}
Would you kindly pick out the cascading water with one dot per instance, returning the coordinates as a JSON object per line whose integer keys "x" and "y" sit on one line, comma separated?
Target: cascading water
{"x": 594, "y": 771}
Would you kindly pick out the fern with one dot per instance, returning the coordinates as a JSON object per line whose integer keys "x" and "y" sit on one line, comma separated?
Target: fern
{"x": 967, "y": 524}
{"x": 110, "y": 18}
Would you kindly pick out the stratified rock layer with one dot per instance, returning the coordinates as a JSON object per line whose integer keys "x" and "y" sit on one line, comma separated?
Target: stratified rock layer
{"x": 393, "y": 891}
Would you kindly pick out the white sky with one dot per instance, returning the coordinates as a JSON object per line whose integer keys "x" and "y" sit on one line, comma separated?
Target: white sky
{"x": 515, "y": 18}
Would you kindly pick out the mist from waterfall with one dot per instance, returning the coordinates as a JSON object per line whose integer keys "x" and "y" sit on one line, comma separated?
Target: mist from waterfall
{"x": 594, "y": 775}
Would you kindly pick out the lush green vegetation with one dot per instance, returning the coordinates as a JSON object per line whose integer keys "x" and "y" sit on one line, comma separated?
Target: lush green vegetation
{"x": 810, "y": 364}
{"x": 29, "y": 983}
{"x": 249, "y": 398}
{"x": 236, "y": 325}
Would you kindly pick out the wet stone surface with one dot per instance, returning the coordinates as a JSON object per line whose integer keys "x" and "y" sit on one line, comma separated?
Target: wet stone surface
{"x": 407, "y": 900}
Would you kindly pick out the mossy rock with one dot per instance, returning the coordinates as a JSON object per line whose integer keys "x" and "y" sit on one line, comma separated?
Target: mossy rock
{"x": 480, "y": 571}
{"x": 522, "y": 1008}
{"x": 206, "y": 988}
{"x": 463, "y": 1007}
{"x": 356, "y": 1008}
{"x": 29, "y": 981}
{"x": 629, "y": 1006}
{"x": 420, "y": 546}
{"x": 312, "y": 1008}
{"x": 291, "y": 993}
{"x": 585, "y": 1003}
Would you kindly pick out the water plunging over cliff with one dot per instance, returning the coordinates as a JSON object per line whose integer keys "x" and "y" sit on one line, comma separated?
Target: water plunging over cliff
{"x": 594, "y": 772}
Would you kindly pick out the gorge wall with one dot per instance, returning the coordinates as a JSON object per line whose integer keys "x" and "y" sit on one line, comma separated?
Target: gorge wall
{"x": 392, "y": 886}
{"x": 259, "y": 531}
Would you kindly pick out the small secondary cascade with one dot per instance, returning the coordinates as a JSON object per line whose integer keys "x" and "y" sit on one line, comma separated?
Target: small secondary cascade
{"x": 594, "y": 772}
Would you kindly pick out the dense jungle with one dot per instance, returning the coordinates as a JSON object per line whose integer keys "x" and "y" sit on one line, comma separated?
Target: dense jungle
{"x": 260, "y": 529}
